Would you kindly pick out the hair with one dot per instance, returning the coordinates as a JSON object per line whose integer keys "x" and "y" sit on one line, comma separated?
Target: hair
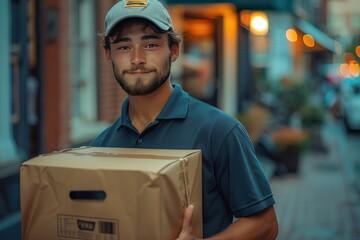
{"x": 113, "y": 37}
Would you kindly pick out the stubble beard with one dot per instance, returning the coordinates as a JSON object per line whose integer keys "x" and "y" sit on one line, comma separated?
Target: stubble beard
{"x": 138, "y": 89}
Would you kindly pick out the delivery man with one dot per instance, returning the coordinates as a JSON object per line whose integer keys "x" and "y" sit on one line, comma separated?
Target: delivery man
{"x": 141, "y": 44}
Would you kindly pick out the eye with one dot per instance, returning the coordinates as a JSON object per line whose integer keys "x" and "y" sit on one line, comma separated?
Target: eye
{"x": 151, "y": 45}
{"x": 123, "y": 48}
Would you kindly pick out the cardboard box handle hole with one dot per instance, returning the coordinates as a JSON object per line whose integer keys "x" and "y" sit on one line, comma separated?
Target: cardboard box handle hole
{"x": 87, "y": 195}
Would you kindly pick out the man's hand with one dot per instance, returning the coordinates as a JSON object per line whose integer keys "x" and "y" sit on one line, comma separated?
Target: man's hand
{"x": 187, "y": 231}
{"x": 262, "y": 225}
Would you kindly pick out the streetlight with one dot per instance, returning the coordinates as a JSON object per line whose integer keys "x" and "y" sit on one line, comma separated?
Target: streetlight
{"x": 259, "y": 24}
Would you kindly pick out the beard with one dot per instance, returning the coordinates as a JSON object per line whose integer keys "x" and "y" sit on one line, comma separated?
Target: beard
{"x": 139, "y": 88}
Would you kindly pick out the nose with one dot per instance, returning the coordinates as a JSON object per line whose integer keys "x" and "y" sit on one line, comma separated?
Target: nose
{"x": 138, "y": 56}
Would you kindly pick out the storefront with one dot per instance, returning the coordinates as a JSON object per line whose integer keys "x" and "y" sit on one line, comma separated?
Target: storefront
{"x": 215, "y": 64}
{"x": 19, "y": 99}
{"x": 209, "y": 50}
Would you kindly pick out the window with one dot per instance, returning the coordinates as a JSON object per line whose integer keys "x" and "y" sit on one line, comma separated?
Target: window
{"x": 200, "y": 70}
{"x": 8, "y": 151}
{"x": 84, "y": 125}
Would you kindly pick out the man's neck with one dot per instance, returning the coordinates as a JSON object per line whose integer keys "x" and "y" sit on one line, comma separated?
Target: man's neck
{"x": 143, "y": 110}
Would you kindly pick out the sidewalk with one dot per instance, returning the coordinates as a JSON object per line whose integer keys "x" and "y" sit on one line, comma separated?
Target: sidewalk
{"x": 320, "y": 201}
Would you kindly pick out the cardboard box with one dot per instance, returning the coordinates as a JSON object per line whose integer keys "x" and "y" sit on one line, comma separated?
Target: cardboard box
{"x": 110, "y": 193}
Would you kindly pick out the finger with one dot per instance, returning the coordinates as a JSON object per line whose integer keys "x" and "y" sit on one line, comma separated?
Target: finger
{"x": 188, "y": 214}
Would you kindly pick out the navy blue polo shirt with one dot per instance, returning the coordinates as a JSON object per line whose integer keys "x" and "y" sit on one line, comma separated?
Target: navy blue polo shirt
{"x": 233, "y": 181}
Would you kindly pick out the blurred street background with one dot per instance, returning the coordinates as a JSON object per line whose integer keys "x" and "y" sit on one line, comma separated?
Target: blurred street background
{"x": 288, "y": 70}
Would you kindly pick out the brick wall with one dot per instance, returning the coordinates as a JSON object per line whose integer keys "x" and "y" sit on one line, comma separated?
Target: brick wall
{"x": 110, "y": 94}
{"x": 65, "y": 82}
{"x": 56, "y": 72}
{"x": 57, "y": 86}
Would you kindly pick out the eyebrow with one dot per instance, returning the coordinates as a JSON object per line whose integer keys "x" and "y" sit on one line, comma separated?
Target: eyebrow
{"x": 151, "y": 36}
{"x": 143, "y": 38}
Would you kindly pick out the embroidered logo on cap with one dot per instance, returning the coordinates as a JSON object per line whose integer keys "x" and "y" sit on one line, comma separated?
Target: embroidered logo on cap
{"x": 136, "y": 3}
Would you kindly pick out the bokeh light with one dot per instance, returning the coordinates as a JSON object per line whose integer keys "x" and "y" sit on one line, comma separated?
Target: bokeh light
{"x": 354, "y": 68}
{"x": 291, "y": 35}
{"x": 357, "y": 50}
{"x": 308, "y": 40}
{"x": 259, "y": 23}
{"x": 344, "y": 70}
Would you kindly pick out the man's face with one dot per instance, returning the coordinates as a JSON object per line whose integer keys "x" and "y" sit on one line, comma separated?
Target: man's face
{"x": 141, "y": 59}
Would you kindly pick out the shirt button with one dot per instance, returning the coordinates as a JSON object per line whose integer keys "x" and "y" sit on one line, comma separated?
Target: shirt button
{"x": 140, "y": 140}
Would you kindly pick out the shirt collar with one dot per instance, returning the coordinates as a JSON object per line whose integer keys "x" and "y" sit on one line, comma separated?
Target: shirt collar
{"x": 176, "y": 107}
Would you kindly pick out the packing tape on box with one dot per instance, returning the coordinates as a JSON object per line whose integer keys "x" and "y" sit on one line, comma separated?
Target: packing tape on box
{"x": 184, "y": 166}
{"x": 108, "y": 154}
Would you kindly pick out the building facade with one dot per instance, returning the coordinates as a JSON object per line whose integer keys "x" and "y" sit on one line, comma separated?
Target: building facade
{"x": 59, "y": 91}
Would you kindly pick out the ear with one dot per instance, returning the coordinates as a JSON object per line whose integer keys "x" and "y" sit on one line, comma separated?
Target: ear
{"x": 107, "y": 53}
{"x": 175, "y": 49}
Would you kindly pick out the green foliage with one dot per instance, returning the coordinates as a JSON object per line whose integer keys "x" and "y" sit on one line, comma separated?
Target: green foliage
{"x": 312, "y": 114}
{"x": 293, "y": 94}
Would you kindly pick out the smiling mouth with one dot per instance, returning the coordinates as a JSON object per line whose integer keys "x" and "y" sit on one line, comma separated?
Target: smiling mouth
{"x": 136, "y": 72}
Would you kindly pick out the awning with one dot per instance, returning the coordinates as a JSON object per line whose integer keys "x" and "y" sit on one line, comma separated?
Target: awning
{"x": 279, "y": 5}
{"x": 320, "y": 37}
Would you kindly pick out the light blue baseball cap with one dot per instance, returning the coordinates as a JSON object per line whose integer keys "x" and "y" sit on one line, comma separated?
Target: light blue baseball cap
{"x": 152, "y": 10}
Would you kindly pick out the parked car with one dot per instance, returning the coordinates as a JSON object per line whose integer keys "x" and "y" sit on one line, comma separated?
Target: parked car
{"x": 350, "y": 102}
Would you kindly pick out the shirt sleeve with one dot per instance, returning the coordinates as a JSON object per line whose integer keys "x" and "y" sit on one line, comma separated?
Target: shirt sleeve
{"x": 242, "y": 181}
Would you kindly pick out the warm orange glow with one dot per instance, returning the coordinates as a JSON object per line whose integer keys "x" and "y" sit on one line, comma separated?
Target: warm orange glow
{"x": 308, "y": 40}
{"x": 348, "y": 57}
{"x": 344, "y": 70}
{"x": 357, "y": 50}
{"x": 259, "y": 24}
{"x": 354, "y": 68}
{"x": 200, "y": 27}
{"x": 291, "y": 35}
{"x": 245, "y": 17}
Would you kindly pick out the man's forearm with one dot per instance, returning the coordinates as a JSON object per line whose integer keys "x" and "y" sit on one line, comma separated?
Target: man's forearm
{"x": 261, "y": 226}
